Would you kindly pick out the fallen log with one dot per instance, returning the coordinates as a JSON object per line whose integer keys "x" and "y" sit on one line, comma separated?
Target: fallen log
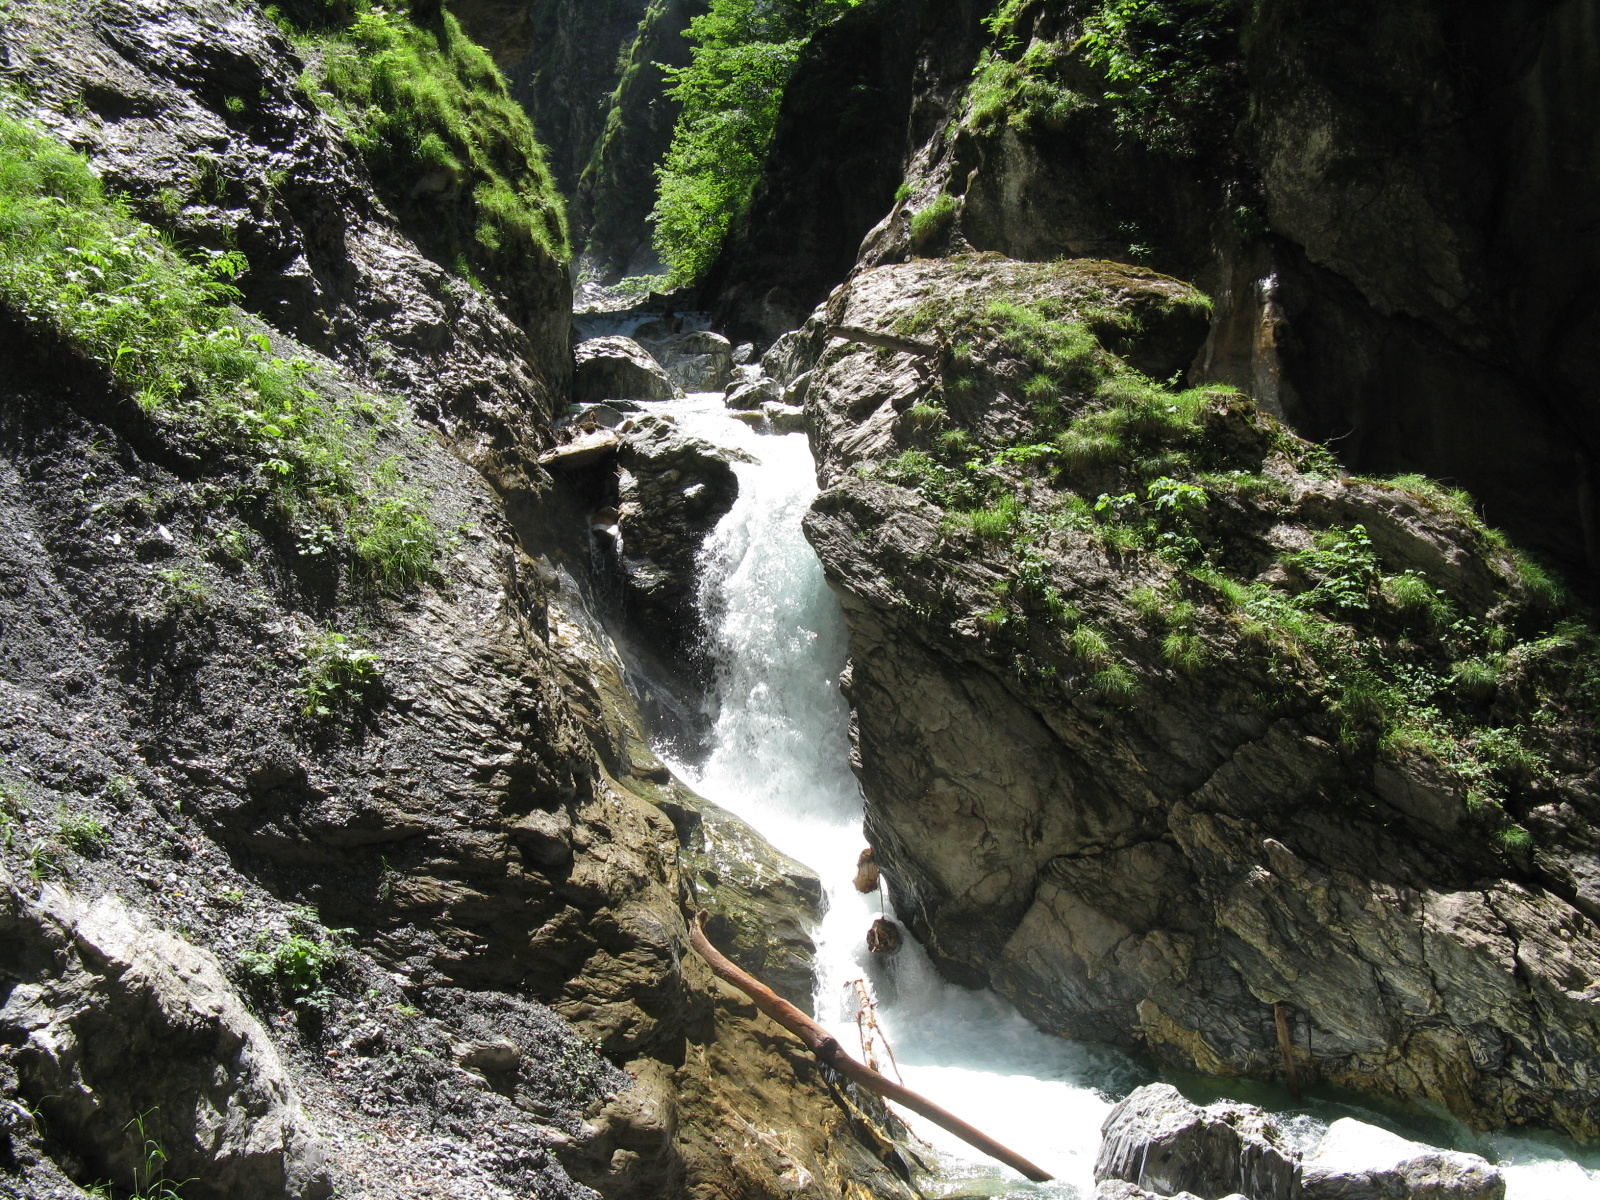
{"x": 828, "y": 1051}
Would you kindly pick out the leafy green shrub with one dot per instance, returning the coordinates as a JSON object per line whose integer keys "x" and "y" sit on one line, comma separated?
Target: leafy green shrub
{"x": 79, "y": 268}
{"x": 297, "y": 963}
{"x": 743, "y": 53}
{"x": 1343, "y": 567}
{"x": 453, "y": 153}
{"x": 339, "y": 672}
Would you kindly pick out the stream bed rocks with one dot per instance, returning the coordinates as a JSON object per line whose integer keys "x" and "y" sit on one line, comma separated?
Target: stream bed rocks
{"x": 1156, "y": 1143}
{"x": 1108, "y": 769}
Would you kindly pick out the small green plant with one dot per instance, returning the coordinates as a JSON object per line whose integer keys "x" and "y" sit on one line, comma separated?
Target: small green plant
{"x": 298, "y": 962}
{"x": 180, "y": 591}
{"x": 122, "y": 791}
{"x": 45, "y": 858}
{"x": 150, "y": 1181}
{"x": 82, "y": 834}
{"x": 339, "y": 672}
{"x": 1343, "y": 567}
{"x": 397, "y": 544}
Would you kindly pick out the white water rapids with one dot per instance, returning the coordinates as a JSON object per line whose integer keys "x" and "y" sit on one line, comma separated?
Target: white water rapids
{"x": 780, "y": 759}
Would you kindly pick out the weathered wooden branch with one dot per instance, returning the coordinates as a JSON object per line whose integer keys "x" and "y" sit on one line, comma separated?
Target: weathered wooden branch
{"x": 822, "y": 1044}
{"x": 1286, "y": 1046}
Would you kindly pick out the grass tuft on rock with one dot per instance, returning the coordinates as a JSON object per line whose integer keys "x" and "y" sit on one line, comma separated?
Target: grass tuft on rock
{"x": 430, "y": 114}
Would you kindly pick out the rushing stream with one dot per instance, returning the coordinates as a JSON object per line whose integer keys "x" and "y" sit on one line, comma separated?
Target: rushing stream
{"x": 780, "y": 759}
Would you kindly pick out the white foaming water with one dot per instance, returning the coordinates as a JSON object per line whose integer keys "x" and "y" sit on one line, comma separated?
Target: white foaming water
{"x": 780, "y": 759}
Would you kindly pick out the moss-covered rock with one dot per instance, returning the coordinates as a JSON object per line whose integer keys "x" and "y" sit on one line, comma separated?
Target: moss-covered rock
{"x": 1163, "y": 719}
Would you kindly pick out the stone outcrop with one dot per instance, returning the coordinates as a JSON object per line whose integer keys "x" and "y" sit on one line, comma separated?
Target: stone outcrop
{"x": 427, "y": 865}
{"x": 672, "y": 490}
{"x": 617, "y": 368}
{"x": 1120, "y": 764}
{"x": 697, "y": 361}
{"x": 117, "y": 1024}
{"x": 1157, "y": 1140}
{"x": 1356, "y": 1161}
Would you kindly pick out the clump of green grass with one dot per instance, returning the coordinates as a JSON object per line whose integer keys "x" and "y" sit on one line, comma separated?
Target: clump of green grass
{"x": 396, "y": 543}
{"x": 932, "y": 223}
{"x": 339, "y": 673}
{"x": 1027, "y": 91}
{"x": 82, "y": 834}
{"x": 452, "y": 151}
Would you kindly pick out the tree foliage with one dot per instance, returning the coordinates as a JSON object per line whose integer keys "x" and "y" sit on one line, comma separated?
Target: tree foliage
{"x": 1172, "y": 66}
{"x": 744, "y": 52}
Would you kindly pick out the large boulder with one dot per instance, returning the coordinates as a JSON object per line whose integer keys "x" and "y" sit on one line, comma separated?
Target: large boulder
{"x": 129, "y": 1038}
{"x": 697, "y": 361}
{"x": 617, "y": 368}
{"x": 1357, "y": 1161}
{"x": 1159, "y": 1141}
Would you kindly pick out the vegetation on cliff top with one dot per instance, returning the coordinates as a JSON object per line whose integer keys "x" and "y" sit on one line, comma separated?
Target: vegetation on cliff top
{"x": 1171, "y": 68}
{"x": 429, "y": 113}
{"x": 77, "y": 266}
{"x": 1179, "y": 490}
{"x": 744, "y": 53}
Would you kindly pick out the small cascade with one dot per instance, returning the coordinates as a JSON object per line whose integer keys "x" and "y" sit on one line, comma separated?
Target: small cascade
{"x": 779, "y": 758}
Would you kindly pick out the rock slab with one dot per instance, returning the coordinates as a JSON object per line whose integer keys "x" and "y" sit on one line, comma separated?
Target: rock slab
{"x": 1159, "y": 1141}
{"x": 1357, "y": 1161}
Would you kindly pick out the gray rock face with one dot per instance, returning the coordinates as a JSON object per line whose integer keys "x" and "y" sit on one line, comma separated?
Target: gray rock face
{"x": 1356, "y": 1161}
{"x": 697, "y": 361}
{"x": 753, "y": 394}
{"x": 1157, "y": 1140}
{"x": 617, "y": 368}
{"x": 1159, "y": 869}
{"x": 672, "y": 492}
{"x": 115, "y": 1022}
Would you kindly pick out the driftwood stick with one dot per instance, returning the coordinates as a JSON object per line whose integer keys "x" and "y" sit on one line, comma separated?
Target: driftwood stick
{"x": 822, "y": 1044}
{"x": 1286, "y": 1045}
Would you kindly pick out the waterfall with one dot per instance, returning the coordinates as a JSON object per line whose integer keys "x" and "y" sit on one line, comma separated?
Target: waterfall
{"x": 779, "y": 758}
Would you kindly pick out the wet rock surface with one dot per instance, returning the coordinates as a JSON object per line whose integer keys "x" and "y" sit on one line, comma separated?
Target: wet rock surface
{"x": 697, "y": 361}
{"x": 1160, "y": 870}
{"x": 1156, "y": 1143}
{"x": 1359, "y": 1162}
{"x": 672, "y": 490}
{"x": 114, "y": 1022}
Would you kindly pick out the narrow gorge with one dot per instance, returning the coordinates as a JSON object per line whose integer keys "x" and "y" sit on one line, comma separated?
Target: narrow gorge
{"x": 1061, "y": 533}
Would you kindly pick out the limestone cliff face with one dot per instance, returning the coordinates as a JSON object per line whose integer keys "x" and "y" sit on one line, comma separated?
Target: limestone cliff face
{"x": 402, "y": 817}
{"x": 1125, "y": 761}
{"x": 1387, "y": 209}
